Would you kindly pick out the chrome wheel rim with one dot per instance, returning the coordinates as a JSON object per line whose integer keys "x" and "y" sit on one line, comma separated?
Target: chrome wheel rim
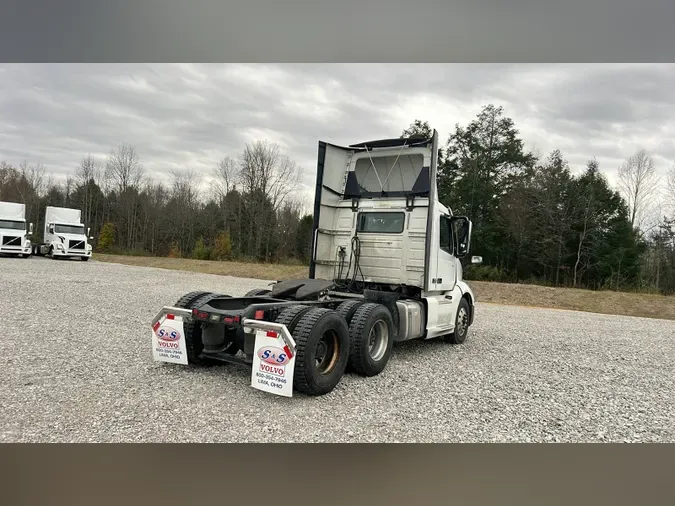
{"x": 462, "y": 322}
{"x": 378, "y": 339}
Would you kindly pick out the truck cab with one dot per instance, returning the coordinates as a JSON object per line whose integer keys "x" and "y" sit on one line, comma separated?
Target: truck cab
{"x": 379, "y": 226}
{"x": 64, "y": 234}
{"x": 13, "y": 232}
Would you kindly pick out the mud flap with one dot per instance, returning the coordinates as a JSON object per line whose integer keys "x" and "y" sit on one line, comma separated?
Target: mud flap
{"x": 168, "y": 340}
{"x": 273, "y": 364}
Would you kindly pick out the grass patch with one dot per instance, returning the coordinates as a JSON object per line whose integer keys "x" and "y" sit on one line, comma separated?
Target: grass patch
{"x": 603, "y": 302}
{"x": 238, "y": 269}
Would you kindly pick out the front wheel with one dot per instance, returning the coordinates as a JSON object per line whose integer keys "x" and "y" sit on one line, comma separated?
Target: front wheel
{"x": 84, "y": 259}
{"x": 461, "y": 324}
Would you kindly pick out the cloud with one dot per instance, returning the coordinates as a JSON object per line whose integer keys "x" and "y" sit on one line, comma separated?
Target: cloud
{"x": 190, "y": 115}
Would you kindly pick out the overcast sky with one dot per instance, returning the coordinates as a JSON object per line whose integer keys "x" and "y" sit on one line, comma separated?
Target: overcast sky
{"x": 191, "y": 115}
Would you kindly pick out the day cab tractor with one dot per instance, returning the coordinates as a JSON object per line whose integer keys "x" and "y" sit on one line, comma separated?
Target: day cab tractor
{"x": 385, "y": 267}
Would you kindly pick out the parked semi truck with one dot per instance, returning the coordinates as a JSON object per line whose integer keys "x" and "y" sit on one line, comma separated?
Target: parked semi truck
{"x": 385, "y": 268}
{"x": 13, "y": 232}
{"x": 64, "y": 235}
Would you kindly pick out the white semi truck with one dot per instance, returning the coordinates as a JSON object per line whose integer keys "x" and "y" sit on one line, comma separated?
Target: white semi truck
{"x": 13, "y": 233}
{"x": 64, "y": 235}
{"x": 385, "y": 267}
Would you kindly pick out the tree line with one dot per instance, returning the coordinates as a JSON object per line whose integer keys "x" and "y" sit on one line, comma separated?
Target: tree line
{"x": 537, "y": 221}
{"x": 247, "y": 209}
{"x": 534, "y": 219}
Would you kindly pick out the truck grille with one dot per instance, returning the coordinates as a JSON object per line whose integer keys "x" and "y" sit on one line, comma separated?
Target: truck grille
{"x": 76, "y": 245}
{"x": 9, "y": 240}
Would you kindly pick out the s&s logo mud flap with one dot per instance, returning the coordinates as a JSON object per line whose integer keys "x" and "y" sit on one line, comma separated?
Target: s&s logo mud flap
{"x": 168, "y": 341}
{"x": 273, "y": 364}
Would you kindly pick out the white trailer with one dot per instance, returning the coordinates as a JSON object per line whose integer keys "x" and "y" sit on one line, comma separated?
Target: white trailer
{"x": 13, "y": 233}
{"x": 64, "y": 235}
{"x": 385, "y": 268}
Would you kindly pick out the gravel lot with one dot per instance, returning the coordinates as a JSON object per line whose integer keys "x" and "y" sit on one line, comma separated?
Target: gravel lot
{"x": 76, "y": 366}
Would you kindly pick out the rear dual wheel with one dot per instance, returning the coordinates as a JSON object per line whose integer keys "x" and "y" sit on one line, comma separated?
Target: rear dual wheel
{"x": 371, "y": 335}
{"x": 321, "y": 347}
{"x": 357, "y": 335}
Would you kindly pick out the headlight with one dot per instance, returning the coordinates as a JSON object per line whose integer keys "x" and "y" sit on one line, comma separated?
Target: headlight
{"x": 59, "y": 245}
{"x": 88, "y": 247}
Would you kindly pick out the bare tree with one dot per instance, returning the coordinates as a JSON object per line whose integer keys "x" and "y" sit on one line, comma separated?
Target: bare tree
{"x": 88, "y": 170}
{"x": 35, "y": 177}
{"x": 185, "y": 187}
{"x": 185, "y": 197}
{"x": 68, "y": 189}
{"x": 639, "y": 182}
{"x": 267, "y": 177}
{"x": 124, "y": 168}
{"x": 264, "y": 169}
{"x": 125, "y": 173}
{"x": 87, "y": 175}
{"x": 670, "y": 190}
{"x": 225, "y": 177}
{"x": 583, "y": 235}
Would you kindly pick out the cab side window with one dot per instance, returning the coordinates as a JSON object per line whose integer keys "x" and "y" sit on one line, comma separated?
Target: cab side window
{"x": 446, "y": 235}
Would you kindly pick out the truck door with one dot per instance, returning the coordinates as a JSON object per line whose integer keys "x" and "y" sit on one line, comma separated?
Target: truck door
{"x": 446, "y": 273}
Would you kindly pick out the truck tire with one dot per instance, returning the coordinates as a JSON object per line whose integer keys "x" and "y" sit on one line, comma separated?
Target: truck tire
{"x": 193, "y": 329}
{"x": 187, "y": 299}
{"x": 461, "y": 324}
{"x": 371, "y": 337}
{"x": 348, "y": 308}
{"x": 291, "y": 316}
{"x": 257, "y": 291}
{"x": 185, "y": 302}
{"x": 84, "y": 259}
{"x": 322, "y": 351}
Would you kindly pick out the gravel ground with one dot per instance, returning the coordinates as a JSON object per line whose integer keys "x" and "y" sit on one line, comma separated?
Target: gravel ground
{"x": 76, "y": 366}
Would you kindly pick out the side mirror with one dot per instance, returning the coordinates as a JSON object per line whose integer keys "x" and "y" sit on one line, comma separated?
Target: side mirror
{"x": 461, "y": 227}
{"x": 30, "y": 229}
{"x": 476, "y": 260}
{"x": 91, "y": 238}
{"x": 89, "y": 231}
{"x": 51, "y": 229}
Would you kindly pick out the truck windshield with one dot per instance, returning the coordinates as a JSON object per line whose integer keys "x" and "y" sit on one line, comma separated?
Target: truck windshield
{"x": 13, "y": 225}
{"x": 69, "y": 229}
